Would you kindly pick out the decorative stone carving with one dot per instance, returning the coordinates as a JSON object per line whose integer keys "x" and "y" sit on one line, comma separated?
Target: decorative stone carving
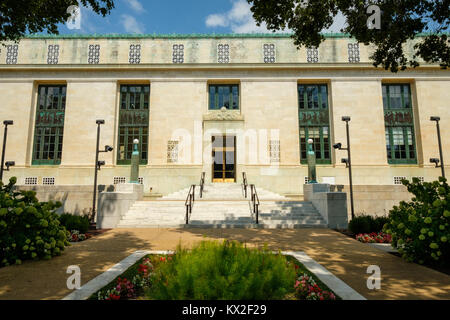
{"x": 53, "y": 54}
{"x": 353, "y": 53}
{"x": 312, "y": 55}
{"x": 178, "y": 53}
{"x": 135, "y": 54}
{"x": 269, "y": 53}
{"x": 94, "y": 54}
{"x": 223, "y": 53}
{"x": 11, "y": 54}
{"x": 223, "y": 115}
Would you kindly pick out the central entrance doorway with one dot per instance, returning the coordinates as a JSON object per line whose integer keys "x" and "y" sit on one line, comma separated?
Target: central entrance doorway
{"x": 224, "y": 158}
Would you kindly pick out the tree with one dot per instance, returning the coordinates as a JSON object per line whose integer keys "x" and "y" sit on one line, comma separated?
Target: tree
{"x": 19, "y": 17}
{"x": 400, "y": 21}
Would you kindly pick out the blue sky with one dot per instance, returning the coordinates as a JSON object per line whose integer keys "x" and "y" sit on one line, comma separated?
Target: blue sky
{"x": 171, "y": 16}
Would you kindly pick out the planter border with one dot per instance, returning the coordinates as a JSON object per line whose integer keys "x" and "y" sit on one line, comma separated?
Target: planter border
{"x": 334, "y": 283}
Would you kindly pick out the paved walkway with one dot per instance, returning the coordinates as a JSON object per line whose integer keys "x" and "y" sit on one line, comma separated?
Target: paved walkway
{"x": 346, "y": 258}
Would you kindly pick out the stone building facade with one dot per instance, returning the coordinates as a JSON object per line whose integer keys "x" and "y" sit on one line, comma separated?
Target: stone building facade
{"x": 222, "y": 105}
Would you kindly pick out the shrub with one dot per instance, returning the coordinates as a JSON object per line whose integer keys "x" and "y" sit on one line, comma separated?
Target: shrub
{"x": 28, "y": 229}
{"x": 367, "y": 224}
{"x": 71, "y": 222}
{"x": 228, "y": 271}
{"x": 360, "y": 224}
{"x": 378, "y": 224}
{"x": 420, "y": 228}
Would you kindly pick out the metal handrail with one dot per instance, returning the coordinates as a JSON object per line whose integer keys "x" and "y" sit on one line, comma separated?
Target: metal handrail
{"x": 202, "y": 184}
{"x": 255, "y": 202}
{"x": 244, "y": 184}
{"x": 189, "y": 202}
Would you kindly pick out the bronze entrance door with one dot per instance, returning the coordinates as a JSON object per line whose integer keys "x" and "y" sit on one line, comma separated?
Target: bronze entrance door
{"x": 224, "y": 158}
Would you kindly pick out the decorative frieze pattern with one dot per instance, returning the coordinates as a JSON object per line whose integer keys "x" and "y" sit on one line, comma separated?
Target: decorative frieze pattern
{"x": 312, "y": 55}
{"x": 135, "y": 54}
{"x": 53, "y": 54}
{"x": 172, "y": 151}
{"x": 178, "y": 53}
{"x": 12, "y": 52}
{"x": 94, "y": 54}
{"x": 274, "y": 151}
{"x": 269, "y": 53}
{"x": 353, "y": 53}
{"x": 223, "y": 53}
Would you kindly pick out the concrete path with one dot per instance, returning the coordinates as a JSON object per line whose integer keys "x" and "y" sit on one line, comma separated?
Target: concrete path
{"x": 344, "y": 257}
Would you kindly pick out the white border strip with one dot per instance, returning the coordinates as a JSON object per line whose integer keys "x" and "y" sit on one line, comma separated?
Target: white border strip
{"x": 334, "y": 283}
{"x": 107, "y": 277}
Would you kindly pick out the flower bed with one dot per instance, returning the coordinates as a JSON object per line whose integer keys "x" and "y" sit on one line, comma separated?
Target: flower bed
{"x": 154, "y": 278}
{"x": 374, "y": 237}
{"x": 76, "y": 236}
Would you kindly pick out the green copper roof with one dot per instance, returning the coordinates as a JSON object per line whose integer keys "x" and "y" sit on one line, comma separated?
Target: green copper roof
{"x": 175, "y": 36}
{"x": 185, "y": 36}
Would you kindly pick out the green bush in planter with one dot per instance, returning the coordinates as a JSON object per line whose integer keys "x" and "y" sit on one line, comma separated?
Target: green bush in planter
{"x": 28, "y": 229}
{"x": 71, "y": 222}
{"x": 420, "y": 228}
{"x": 223, "y": 271}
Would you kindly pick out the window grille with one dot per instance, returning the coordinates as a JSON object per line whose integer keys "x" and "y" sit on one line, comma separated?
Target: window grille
{"x": 172, "y": 151}
{"x": 269, "y": 50}
{"x": 312, "y": 55}
{"x": 53, "y": 54}
{"x": 223, "y": 53}
{"x": 48, "y": 181}
{"x": 31, "y": 181}
{"x": 94, "y": 54}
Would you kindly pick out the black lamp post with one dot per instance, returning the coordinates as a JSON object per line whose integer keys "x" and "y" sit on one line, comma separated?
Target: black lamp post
{"x": 98, "y": 165}
{"x": 5, "y": 136}
{"x": 436, "y": 161}
{"x": 348, "y": 162}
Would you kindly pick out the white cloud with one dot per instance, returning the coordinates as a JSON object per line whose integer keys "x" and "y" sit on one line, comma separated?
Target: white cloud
{"x": 136, "y": 5}
{"x": 239, "y": 19}
{"x": 216, "y": 20}
{"x": 131, "y": 25}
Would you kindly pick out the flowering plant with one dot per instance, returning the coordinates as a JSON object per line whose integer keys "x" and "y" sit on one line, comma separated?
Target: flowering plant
{"x": 112, "y": 294}
{"x": 126, "y": 289}
{"x": 76, "y": 236}
{"x": 307, "y": 289}
{"x": 374, "y": 237}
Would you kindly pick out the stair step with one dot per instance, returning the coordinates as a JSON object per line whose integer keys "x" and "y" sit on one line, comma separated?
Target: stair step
{"x": 222, "y": 206}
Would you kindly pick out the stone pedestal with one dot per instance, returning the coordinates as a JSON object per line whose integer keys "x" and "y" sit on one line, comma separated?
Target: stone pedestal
{"x": 331, "y": 205}
{"x": 112, "y": 206}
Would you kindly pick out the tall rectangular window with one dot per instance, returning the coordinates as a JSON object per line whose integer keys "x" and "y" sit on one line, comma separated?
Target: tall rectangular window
{"x": 399, "y": 122}
{"x": 133, "y": 122}
{"x": 49, "y": 125}
{"x": 314, "y": 122}
{"x": 224, "y": 96}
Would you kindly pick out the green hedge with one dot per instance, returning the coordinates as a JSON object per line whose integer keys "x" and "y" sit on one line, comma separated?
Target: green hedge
{"x": 28, "y": 229}
{"x": 367, "y": 224}
{"x": 71, "y": 222}
{"x": 420, "y": 228}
